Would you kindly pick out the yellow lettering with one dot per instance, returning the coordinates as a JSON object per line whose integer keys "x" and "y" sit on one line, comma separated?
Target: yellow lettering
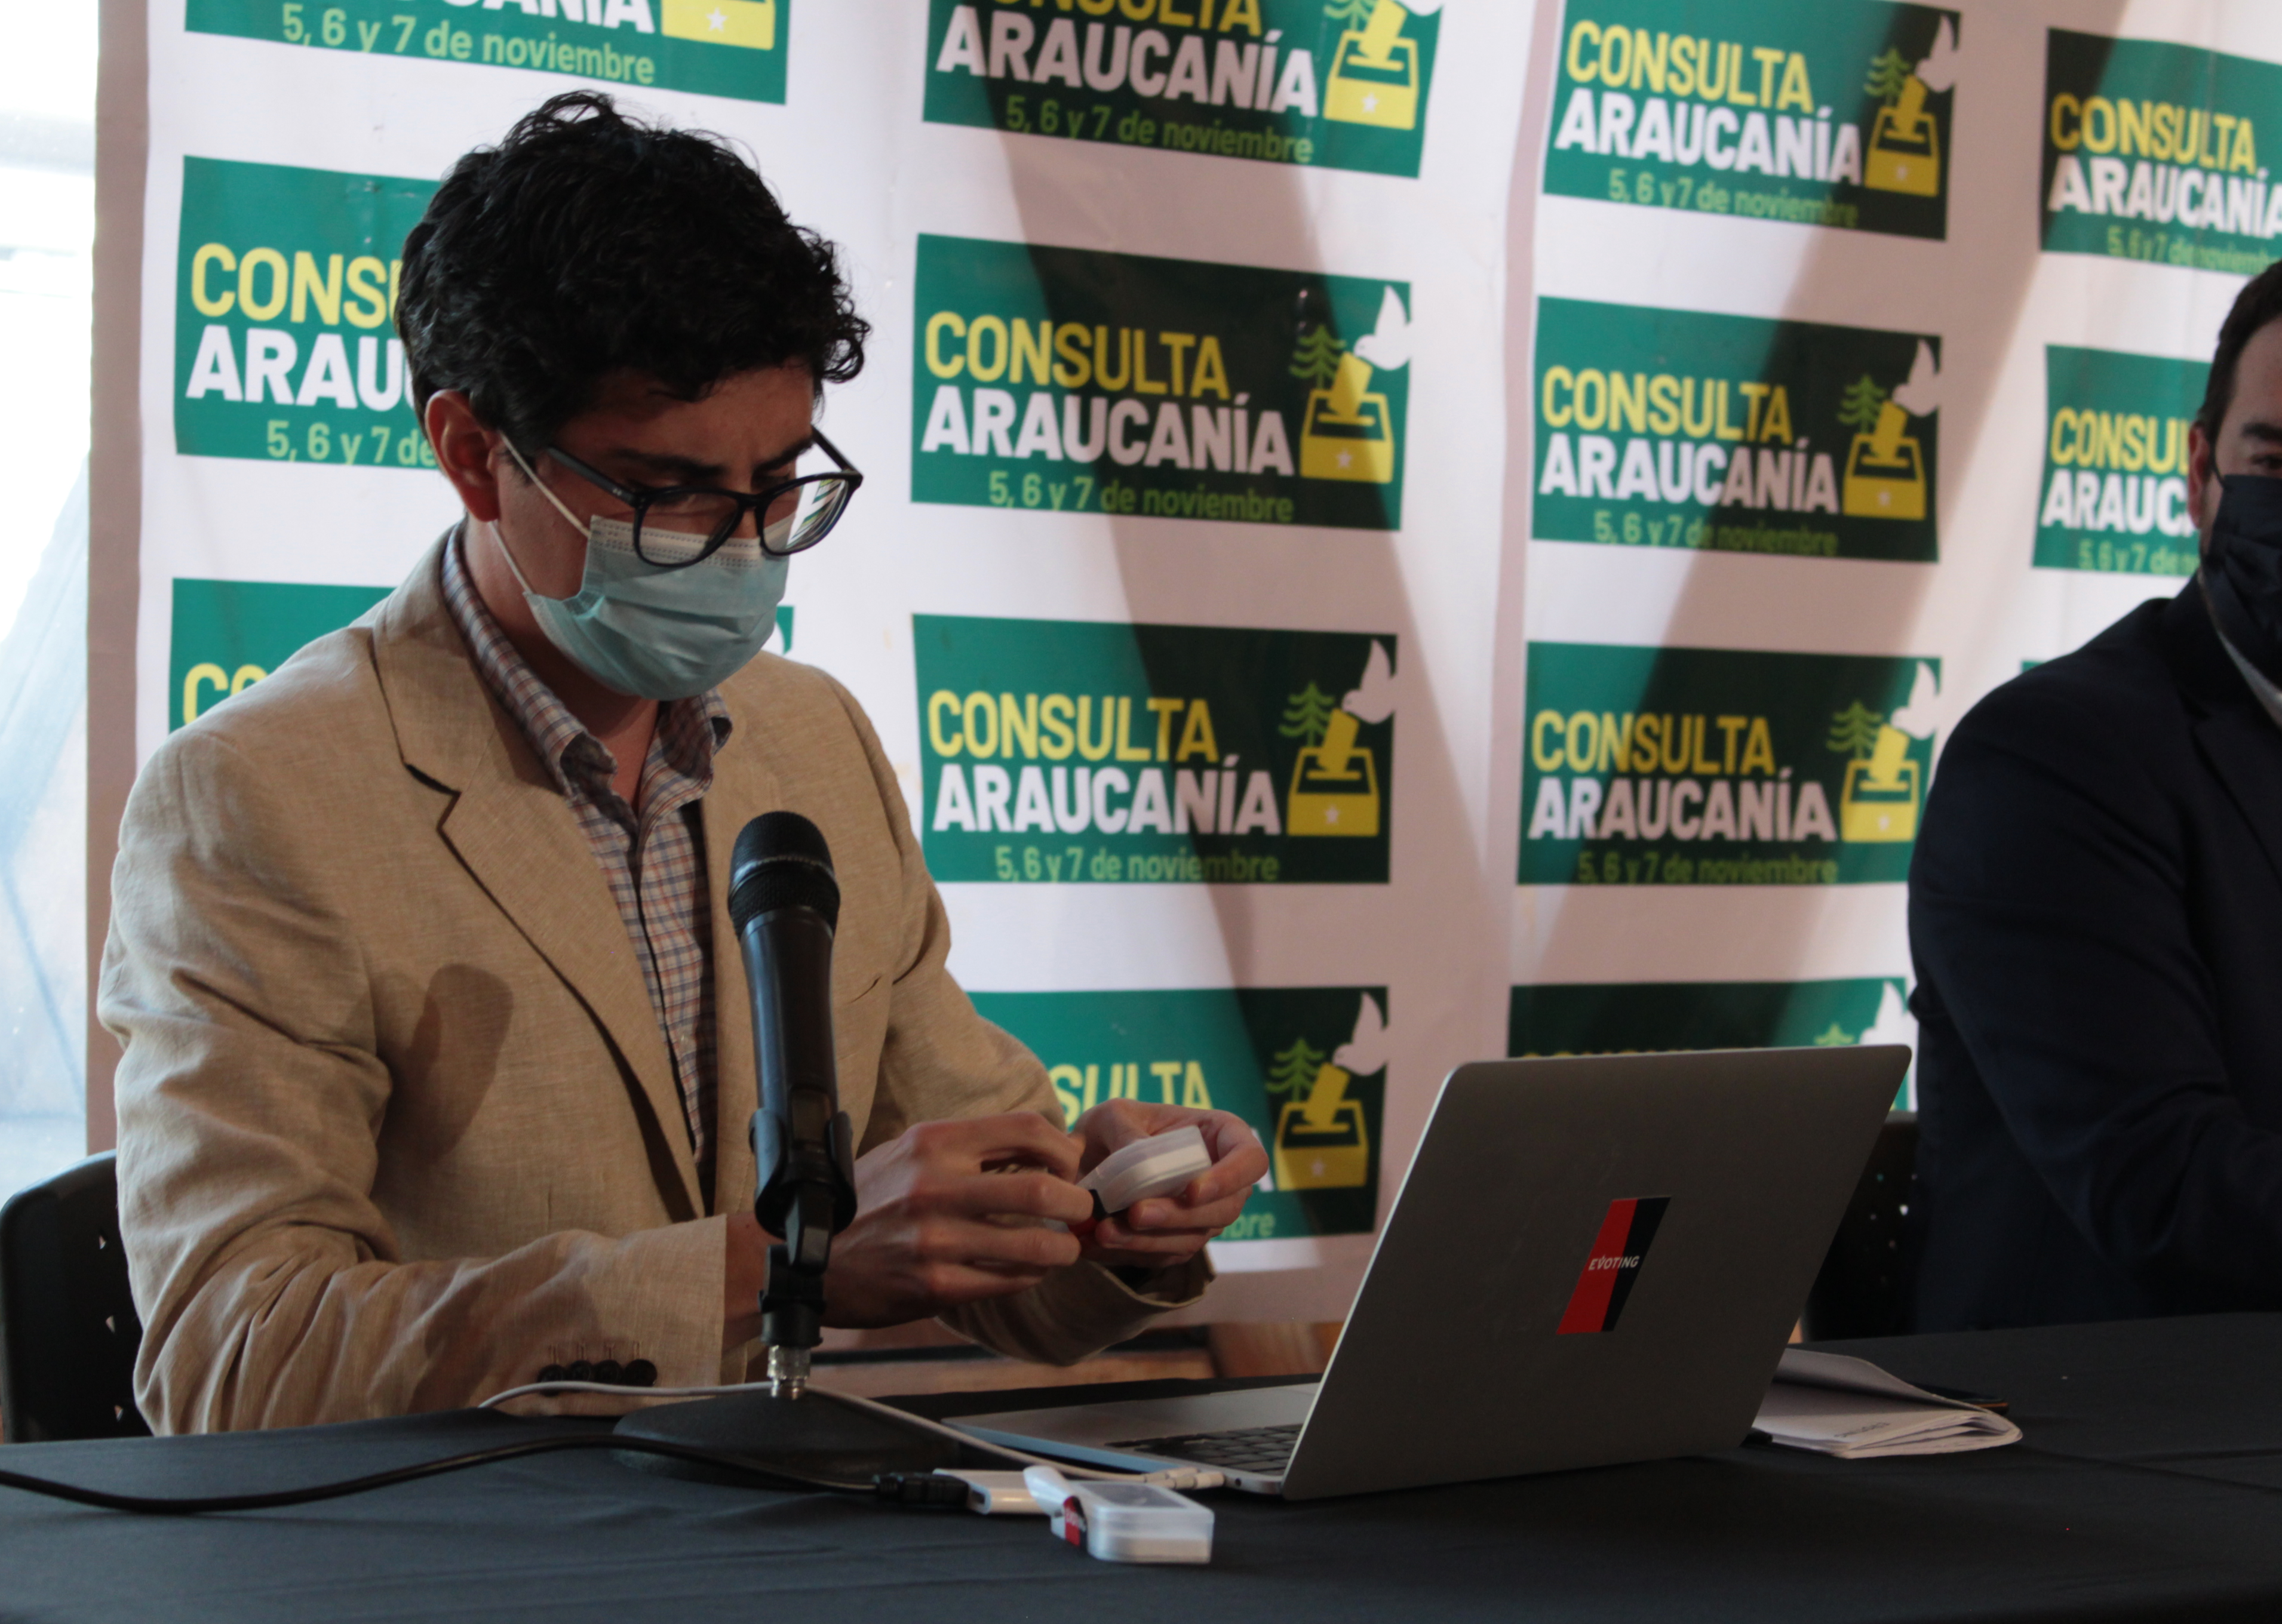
{"x": 1777, "y": 427}
{"x": 325, "y": 290}
{"x": 1547, "y": 759}
{"x": 1753, "y": 393}
{"x": 210, "y": 304}
{"x": 1759, "y": 749}
{"x": 1794, "y": 92}
{"x": 1035, "y": 355}
{"x": 1143, "y": 383}
{"x": 1553, "y": 409}
{"x": 1018, "y": 723}
{"x": 1074, "y": 370}
{"x": 976, "y": 330}
{"x": 1212, "y": 371}
{"x": 1127, "y": 750}
{"x": 981, "y": 713}
{"x": 1197, "y": 733}
{"x": 1582, "y": 38}
{"x": 946, "y": 744}
{"x": 203, "y": 675}
{"x": 944, "y": 321}
{"x": 1165, "y": 709}
{"x": 1179, "y": 343}
{"x": 1055, "y": 738}
{"x": 367, "y": 298}
{"x": 280, "y": 281}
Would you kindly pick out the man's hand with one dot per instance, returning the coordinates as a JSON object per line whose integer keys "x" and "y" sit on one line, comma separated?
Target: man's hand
{"x": 1164, "y": 1231}
{"x": 946, "y": 1214}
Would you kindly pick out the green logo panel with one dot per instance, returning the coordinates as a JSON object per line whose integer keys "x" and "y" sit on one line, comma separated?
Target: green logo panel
{"x": 733, "y": 47}
{"x": 228, "y": 635}
{"x": 1304, "y": 1066}
{"x": 2151, "y": 152}
{"x": 1671, "y": 429}
{"x": 1057, "y": 380}
{"x": 1648, "y": 1017}
{"x": 1713, "y": 767}
{"x": 285, "y": 345}
{"x": 2115, "y": 462}
{"x": 1788, "y": 109}
{"x": 1340, "y": 83}
{"x": 1080, "y": 750}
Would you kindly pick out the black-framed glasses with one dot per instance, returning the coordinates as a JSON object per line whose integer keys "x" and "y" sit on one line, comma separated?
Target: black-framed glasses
{"x": 681, "y": 525}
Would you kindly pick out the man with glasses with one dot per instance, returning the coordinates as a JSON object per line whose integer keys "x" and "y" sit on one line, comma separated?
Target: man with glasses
{"x": 437, "y": 1056}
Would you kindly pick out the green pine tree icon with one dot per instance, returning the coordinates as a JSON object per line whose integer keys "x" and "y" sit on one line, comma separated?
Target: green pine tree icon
{"x": 1854, "y": 731}
{"x": 1837, "y": 1037}
{"x": 1316, "y": 355}
{"x": 1308, "y": 715}
{"x": 1294, "y": 1073}
{"x": 1859, "y": 408}
{"x": 1354, "y": 11}
{"x": 1889, "y": 70}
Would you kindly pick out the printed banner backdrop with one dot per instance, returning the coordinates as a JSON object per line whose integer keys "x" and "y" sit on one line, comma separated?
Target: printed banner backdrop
{"x": 1395, "y": 530}
{"x": 1182, "y": 481}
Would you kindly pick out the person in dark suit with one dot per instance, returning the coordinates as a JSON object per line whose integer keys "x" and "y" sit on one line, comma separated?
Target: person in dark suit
{"x": 2095, "y": 913}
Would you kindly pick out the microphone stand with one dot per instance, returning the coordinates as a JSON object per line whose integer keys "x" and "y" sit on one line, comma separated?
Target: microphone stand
{"x": 785, "y": 903}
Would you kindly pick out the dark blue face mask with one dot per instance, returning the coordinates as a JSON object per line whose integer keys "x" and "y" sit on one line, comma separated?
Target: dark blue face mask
{"x": 2242, "y": 569}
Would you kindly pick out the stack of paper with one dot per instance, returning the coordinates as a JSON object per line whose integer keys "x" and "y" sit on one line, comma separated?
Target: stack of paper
{"x": 1835, "y": 1405}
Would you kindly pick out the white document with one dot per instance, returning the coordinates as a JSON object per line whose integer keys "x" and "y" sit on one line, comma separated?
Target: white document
{"x": 1835, "y": 1405}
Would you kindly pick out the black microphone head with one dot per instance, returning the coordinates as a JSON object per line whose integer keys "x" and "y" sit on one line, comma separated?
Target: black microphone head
{"x": 781, "y": 861}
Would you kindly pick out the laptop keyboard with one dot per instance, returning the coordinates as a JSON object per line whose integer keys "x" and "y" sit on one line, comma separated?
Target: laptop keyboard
{"x": 1263, "y": 1450}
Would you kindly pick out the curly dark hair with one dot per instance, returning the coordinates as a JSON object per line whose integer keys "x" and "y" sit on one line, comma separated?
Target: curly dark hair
{"x": 587, "y": 243}
{"x": 2259, "y": 303}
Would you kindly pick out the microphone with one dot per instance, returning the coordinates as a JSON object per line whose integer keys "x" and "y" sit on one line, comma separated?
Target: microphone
{"x": 785, "y": 904}
{"x": 784, "y": 901}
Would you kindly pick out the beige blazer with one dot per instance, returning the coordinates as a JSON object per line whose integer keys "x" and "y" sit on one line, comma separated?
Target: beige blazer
{"x": 398, "y": 1127}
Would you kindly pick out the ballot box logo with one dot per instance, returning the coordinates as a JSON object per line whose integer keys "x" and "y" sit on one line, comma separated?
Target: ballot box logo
{"x": 1305, "y": 1067}
{"x": 1783, "y": 110}
{"x": 1674, "y": 428}
{"x": 2150, "y": 153}
{"x": 1055, "y": 380}
{"x": 1619, "y": 1247}
{"x": 1339, "y": 84}
{"x": 1692, "y": 766}
{"x": 2114, "y": 486}
{"x": 1061, "y": 751}
{"x": 226, "y": 636}
{"x": 286, "y": 345}
{"x": 727, "y": 48}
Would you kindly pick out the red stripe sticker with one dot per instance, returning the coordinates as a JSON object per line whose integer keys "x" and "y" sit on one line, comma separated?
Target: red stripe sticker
{"x": 1606, "y": 1280}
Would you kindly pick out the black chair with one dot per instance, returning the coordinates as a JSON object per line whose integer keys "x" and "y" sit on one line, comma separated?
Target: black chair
{"x": 1865, "y": 1287}
{"x": 68, "y": 1330}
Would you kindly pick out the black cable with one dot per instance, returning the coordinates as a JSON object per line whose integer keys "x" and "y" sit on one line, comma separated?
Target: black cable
{"x": 164, "y": 1505}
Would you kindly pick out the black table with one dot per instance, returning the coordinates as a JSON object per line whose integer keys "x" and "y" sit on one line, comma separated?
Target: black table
{"x": 2151, "y": 1483}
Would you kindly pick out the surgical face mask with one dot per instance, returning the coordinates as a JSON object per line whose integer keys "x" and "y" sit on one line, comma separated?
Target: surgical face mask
{"x": 2242, "y": 569}
{"x": 659, "y": 634}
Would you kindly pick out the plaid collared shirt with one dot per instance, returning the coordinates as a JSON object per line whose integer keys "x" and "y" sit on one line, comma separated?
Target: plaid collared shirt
{"x": 652, "y": 852}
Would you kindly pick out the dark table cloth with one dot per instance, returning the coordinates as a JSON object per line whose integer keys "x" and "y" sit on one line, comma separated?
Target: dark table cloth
{"x": 2150, "y": 1484}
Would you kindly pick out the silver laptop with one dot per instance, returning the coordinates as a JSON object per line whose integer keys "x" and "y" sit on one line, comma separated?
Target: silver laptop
{"x": 1591, "y": 1260}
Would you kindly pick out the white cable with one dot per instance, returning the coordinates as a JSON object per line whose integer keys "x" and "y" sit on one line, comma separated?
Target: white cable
{"x": 1170, "y": 1477}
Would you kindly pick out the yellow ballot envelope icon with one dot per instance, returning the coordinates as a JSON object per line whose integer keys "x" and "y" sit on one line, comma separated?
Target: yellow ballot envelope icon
{"x": 1322, "y": 1143}
{"x": 1334, "y": 785}
{"x": 1885, "y": 471}
{"x": 1374, "y": 77}
{"x": 1348, "y": 432}
{"x": 749, "y": 23}
{"x": 1879, "y": 801}
{"x": 1905, "y": 152}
